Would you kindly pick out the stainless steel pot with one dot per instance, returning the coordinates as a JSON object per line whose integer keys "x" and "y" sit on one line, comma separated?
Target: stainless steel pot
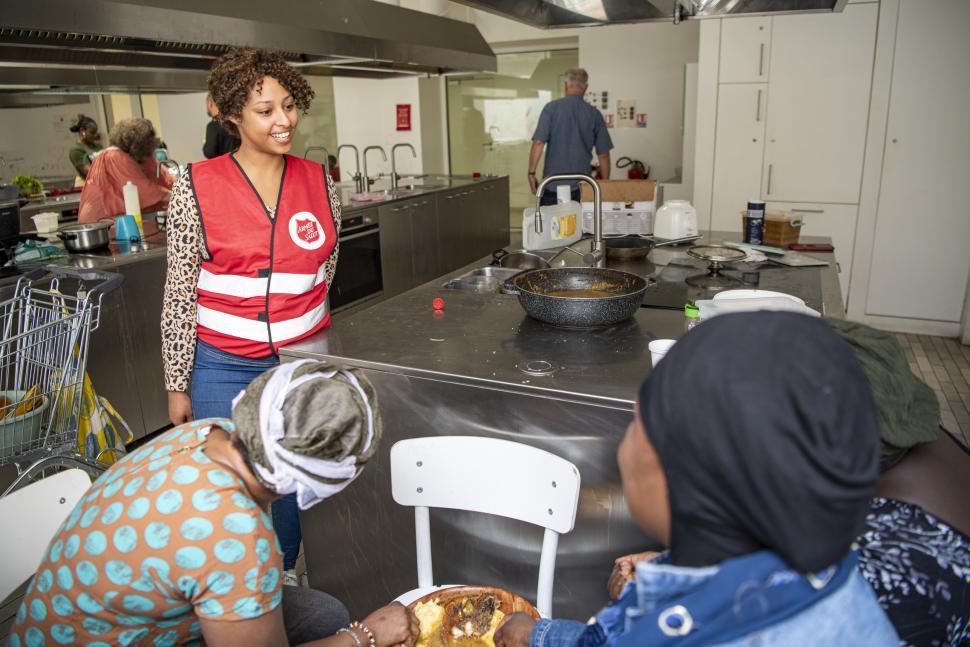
{"x": 86, "y": 237}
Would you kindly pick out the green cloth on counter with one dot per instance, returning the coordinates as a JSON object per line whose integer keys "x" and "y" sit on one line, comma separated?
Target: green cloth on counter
{"x": 909, "y": 413}
{"x": 31, "y": 251}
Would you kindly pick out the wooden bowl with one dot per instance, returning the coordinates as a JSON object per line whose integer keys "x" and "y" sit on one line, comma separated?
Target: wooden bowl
{"x": 509, "y": 602}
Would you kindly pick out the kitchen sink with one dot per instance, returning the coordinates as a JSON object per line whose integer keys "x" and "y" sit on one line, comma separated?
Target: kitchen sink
{"x": 494, "y": 271}
{"x": 482, "y": 280}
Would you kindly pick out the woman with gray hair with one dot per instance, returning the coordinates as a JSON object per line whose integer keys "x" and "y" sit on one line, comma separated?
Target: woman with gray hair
{"x": 130, "y": 158}
{"x": 174, "y": 544}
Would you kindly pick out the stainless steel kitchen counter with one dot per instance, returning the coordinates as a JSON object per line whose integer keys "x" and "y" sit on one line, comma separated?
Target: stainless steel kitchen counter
{"x": 488, "y": 340}
{"x": 422, "y": 186}
{"x": 459, "y": 372}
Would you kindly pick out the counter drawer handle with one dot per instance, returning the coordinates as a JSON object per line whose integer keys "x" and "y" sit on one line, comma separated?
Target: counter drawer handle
{"x": 808, "y": 210}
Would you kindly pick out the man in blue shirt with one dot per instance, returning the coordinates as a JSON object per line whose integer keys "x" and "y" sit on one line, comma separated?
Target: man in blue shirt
{"x": 571, "y": 128}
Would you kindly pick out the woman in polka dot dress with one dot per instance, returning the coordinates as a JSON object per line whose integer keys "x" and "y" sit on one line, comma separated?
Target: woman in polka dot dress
{"x": 174, "y": 544}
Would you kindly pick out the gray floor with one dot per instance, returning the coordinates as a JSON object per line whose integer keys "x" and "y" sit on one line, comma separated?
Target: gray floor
{"x": 944, "y": 364}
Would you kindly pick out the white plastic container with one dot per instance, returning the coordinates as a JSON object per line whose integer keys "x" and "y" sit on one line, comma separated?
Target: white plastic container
{"x": 675, "y": 219}
{"x": 45, "y": 222}
{"x": 561, "y": 226}
{"x": 132, "y": 204}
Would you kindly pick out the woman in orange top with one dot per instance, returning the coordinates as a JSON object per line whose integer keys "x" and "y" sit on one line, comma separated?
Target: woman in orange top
{"x": 129, "y": 158}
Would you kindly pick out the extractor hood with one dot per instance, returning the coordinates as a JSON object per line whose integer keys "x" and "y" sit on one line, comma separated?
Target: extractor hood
{"x": 582, "y": 13}
{"x": 169, "y": 45}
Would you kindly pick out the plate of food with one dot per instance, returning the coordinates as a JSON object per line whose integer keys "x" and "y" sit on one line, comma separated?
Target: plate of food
{"x": 466, "y": 616}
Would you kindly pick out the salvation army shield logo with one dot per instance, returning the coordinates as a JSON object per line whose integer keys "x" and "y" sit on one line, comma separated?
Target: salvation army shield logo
{"x": 306, "y": 231}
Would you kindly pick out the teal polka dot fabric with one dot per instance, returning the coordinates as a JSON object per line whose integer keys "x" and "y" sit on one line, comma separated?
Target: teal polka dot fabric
{"x": 164, "y": 537}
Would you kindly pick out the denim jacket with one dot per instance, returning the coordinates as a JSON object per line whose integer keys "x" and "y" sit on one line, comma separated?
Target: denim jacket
{"x": 751, "y": 600}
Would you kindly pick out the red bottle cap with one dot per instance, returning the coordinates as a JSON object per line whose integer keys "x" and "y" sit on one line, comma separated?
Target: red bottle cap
{"x": 476, "y": 175}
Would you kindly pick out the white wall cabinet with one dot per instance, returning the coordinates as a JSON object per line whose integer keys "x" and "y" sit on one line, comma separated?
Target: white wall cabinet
{"x": 739, "y": 149}
{"x": 745, "y": 50}
{"x": 818, "y": 105}
{"x": 837, "y": 221}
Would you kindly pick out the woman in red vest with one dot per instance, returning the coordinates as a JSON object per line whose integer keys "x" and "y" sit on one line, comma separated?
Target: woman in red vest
{"x": 252, "y": 248}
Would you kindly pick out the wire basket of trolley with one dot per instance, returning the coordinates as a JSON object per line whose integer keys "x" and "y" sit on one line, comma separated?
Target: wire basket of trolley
{"x": 43, "y": 378}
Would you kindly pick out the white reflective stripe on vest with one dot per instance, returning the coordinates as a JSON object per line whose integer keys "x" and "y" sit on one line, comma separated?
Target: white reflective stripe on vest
{"x": 233, "y": 326}
{"x": 246, "y": 287}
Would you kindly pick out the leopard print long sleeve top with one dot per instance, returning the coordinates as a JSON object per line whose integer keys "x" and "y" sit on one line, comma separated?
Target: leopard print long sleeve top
{"x": 184, "y": 258}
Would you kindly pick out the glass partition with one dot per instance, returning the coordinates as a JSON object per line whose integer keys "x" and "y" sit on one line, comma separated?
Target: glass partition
{"x": 491, "y": 118}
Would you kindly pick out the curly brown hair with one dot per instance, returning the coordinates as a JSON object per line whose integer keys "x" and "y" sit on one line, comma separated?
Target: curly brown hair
{"x": 135, "y": 136}
{"x": 240, "y": 71}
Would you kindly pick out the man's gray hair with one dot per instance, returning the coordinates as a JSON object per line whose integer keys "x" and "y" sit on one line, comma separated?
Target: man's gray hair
{"x": 577, "y": 78}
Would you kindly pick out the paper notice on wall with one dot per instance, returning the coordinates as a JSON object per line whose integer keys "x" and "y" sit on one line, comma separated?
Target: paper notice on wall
{"x": 626, "y": 110}
{"x": 608, "y": 118}
{"x": 641, "y": 120}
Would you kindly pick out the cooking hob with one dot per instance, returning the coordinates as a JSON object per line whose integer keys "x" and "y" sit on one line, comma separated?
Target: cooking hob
{"x": 672, "y": 290}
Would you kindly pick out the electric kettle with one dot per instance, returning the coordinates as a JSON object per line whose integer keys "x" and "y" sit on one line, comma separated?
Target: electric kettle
{"x": 675, "y": 219}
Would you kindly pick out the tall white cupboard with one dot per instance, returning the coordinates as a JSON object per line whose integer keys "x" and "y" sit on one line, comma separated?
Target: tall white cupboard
{"x": 920, "y": 229}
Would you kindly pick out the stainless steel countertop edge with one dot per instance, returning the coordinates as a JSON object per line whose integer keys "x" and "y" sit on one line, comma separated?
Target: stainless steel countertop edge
{"x": 620, "y": 404}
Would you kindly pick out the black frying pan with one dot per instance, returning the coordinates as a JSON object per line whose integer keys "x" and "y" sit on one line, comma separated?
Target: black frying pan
{"x": 580, "y": 297}
{"x": 631, "y": 248}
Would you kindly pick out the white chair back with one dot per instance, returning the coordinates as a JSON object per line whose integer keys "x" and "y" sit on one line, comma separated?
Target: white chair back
{"x": 511, "y": 480}
{"x": 32, "y": 515}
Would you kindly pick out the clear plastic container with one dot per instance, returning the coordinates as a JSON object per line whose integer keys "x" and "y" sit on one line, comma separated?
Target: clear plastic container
{"x": 561, "y": 225}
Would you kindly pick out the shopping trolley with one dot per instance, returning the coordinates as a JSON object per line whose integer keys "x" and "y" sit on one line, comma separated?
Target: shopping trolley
{"x": 43, "y": 357}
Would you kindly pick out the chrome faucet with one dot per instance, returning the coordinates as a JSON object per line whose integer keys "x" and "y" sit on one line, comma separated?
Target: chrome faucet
{"x": 395, "y": 178}
{"x": 326, "y": 159}
{"x": 597, "y": 255}
{"x": 367, "y": 180}
{"x": 357, "y": 178}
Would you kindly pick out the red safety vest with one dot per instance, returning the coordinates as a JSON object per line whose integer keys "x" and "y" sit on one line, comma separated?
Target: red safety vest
{"x": 264, "y": 284}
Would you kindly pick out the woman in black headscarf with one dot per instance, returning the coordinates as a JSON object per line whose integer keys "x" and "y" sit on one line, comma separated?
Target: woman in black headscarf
{"x": 755, "y": 467}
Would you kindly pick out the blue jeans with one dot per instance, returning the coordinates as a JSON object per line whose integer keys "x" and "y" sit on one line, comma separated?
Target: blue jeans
{"x": 217, "y": 378}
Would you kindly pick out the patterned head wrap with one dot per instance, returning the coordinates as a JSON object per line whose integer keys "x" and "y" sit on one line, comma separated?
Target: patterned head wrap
{"x": 309, "y": 427}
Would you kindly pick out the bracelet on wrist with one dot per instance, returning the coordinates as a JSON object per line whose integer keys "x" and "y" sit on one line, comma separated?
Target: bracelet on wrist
{"x": 372, "y": 642}
{"x": 532, "y": 172}
{"x": 347, "y": 631}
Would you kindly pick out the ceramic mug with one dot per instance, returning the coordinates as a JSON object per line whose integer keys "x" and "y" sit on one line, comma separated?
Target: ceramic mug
{"x": 126, "y": 229}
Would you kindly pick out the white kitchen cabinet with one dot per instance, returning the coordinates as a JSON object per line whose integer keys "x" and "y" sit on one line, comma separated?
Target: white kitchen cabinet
{"x": 837, "y": 221}
{"x": 818, "y": 105}
{"x": 745, "y": 49}
{"x": 919, "y": 254}
{"x": 738, "y": 152}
